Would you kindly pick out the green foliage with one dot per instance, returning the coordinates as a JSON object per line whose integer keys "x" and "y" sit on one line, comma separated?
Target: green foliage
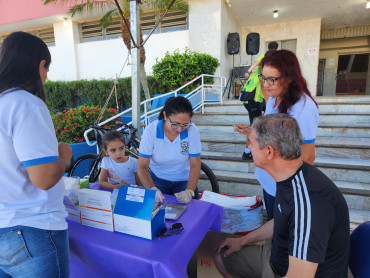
{"x": 70, "y": 125}
{"x": 94, "y": 92}
{"x": 177, "y": 69}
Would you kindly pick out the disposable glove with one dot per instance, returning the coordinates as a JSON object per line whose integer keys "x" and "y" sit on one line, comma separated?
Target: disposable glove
{"x": 158, "y": 195}
{"x": 185, "y": 196}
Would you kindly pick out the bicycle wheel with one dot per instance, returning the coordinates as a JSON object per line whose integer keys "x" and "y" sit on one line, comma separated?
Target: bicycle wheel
{"x": 83, "y": 166}
{"x": 207, "y": 180}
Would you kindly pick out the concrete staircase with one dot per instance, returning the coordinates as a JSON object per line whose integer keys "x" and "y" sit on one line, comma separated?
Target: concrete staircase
{"x": 342, "y": 149}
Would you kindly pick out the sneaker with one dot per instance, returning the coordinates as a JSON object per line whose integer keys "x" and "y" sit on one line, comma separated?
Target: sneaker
{"x": 247, "y": 156}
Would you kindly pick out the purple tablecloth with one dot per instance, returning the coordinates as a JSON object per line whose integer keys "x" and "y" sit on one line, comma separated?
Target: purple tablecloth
{"x": 99, "y": 253}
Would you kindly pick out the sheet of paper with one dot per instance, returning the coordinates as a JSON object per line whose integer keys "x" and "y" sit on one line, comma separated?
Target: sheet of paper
{"x": 135, "y": 194}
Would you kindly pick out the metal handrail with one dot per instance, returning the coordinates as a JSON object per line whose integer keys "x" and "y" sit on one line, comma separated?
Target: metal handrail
{"x": 146, "y": 113}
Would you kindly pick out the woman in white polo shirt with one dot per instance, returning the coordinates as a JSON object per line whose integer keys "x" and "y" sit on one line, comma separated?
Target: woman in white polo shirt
{"x": 33, "y": 230}
{"x": 288, "y": 93}
{"x": 171, "y": 147}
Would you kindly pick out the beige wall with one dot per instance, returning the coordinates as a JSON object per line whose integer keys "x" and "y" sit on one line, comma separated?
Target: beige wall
{"x": 330, "y": 51}
{"x": 205, "y": 27}
{"x": 307, "y": 34}
{"x": 210, "y": 21}
{"x": 229, "y": 25}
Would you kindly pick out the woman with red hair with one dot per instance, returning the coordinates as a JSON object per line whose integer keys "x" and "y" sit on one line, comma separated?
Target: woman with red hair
{"x": 288, "y": 93}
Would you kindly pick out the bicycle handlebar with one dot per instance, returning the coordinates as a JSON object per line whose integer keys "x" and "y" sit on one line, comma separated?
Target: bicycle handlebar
{"x": 97, "y": 127}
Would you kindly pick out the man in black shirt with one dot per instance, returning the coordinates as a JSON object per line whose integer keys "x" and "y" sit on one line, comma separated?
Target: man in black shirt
{"x": 310, "y": 229}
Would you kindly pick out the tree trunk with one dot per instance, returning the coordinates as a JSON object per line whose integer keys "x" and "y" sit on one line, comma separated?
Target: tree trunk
{"x": 144, "y": 84}
{"x": 127, "y": 41}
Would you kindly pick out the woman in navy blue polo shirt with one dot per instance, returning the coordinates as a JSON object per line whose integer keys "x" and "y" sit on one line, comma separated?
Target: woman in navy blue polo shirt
{"x": 171, "y": 147}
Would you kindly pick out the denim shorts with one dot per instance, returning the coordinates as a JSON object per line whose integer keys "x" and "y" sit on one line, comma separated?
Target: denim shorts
{"x": 33, "y": 253}
{"x": 168, "y": 187}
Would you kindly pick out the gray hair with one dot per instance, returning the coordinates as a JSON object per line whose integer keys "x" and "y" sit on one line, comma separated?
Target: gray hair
{"x": 280, "y": 131}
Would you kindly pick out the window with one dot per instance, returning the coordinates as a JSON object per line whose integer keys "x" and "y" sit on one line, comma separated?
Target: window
{"x": 351, "y": 75}
{"x": 90, "y": 31}
{"x": 173, "y": 21}
{"x": 46, "y": 34}
{"x": 285, "y": 44}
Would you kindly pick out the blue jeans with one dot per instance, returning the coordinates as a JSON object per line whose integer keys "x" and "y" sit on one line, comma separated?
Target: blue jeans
{"x": 269, "y": 203}
{"x": 168, "y": 187}
{"x": 33, "y": 253}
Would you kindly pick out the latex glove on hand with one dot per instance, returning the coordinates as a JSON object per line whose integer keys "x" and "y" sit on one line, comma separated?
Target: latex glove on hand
{"x": 185, "y": 196}
{"x": 158, "y": 195}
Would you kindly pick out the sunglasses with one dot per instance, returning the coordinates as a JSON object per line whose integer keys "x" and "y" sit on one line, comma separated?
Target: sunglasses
{"x": 173, "y": 230}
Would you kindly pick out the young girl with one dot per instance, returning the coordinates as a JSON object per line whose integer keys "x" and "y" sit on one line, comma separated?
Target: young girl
{"x": 116, "y": 168}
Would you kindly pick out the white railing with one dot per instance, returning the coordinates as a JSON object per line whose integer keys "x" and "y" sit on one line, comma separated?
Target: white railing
{"x": 204, "y": 93}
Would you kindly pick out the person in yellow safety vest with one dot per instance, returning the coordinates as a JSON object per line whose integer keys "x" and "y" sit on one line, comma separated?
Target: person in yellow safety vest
{"x": 253, "y": 85}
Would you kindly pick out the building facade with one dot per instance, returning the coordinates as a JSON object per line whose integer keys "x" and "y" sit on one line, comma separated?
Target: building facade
{"x": 334, "y": 59}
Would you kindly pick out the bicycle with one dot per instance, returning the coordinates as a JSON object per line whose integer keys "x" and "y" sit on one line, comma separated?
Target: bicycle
{"x": 89, "y": 164}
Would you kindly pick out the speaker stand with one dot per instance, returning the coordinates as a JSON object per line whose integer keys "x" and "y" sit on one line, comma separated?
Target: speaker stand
{"x": 230, "y": 84}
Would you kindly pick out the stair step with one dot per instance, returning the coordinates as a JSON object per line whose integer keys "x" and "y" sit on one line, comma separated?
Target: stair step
{"x": 323, "y": 141}
{"x": 219, "y": 121}
{"x": 343, "y": 100}
{"x": 341, "y": 148}
{"x": 319, "y": 161}
{"x": 334, "y": 106}
{"x": 341, "y": 121}
{"x": 336, "y": 169}
{"x": 323, "y": 130}
{"x": 358, "y": 216}
{"x": 321, "y": 100}
{"x": 357, "y": 195}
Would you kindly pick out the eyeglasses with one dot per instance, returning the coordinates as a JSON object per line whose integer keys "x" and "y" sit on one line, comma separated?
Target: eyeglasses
{"x": 269, "y": 80}
{"x": 173, "y": 230}
{"x": 177, "y": 125}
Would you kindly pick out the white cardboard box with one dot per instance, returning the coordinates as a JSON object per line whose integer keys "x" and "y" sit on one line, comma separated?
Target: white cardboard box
{"x": 96, "y": 209}
{"x": 72, "y": 209}
{"x": 133, "y": 213}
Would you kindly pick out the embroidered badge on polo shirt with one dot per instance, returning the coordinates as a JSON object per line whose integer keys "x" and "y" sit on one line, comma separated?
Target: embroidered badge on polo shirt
{"x": 184, "y": 147}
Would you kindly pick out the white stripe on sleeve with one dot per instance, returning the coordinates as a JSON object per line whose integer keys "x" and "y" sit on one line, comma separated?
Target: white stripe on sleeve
{"x": 308, "y": 217}
{"x": 304, "y": 211}
{"x": 295, "y": 219}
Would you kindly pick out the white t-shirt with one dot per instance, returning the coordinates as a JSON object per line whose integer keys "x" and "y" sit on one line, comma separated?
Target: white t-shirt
{"x": 119, "y": 172}
{"x": 307, "y": 115}
{"x": 170, "y": 160}
{"x": 27, "y": 138}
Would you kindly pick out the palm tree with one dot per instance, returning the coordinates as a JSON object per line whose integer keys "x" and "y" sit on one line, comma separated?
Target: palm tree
{"x": 112, "y": 10}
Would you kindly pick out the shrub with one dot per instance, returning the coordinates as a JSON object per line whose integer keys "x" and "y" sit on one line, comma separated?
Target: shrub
{"x": 70, "y": 125}
{"x": 177, "y": 69}
{"x": 62, "y": 94}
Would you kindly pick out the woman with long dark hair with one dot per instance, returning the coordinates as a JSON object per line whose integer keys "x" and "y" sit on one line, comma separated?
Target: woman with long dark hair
{"x": 33, "y": 230}
{"x": 288, "y": 93}
{"x": 171, "y": 147}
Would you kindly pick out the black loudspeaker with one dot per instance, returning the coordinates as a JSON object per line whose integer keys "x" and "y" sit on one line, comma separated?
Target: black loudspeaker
{"x": 233, "y": 43}
{"x": 253, "y": 43}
